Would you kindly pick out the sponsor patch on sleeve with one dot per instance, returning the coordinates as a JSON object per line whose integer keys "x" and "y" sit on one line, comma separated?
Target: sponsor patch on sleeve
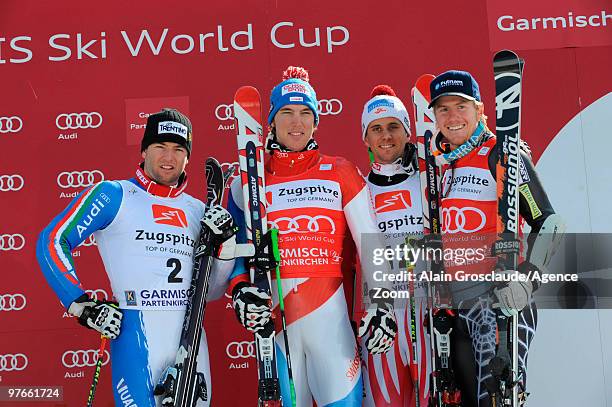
{"x": 325, "y": 167}
{"x": 523, "y": 171}
{"x": 483, "y": 150}
{"x": 533, "y": 206}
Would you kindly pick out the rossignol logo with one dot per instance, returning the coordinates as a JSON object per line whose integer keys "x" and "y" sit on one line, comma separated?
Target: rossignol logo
{"x": 94, "y": 210}
{"x": 310, "y": 190}
{"x": 173, "y": 128}
{"x": 511, "y": 148}
{"x": 380, "y": 104}
{"x": 295, "y": 88}
{"x": 449, "y": 82}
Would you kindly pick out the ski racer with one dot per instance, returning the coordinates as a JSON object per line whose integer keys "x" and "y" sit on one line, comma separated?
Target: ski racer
{"x": 146, "y": 229}
{"x": 312, "y": 198}
{"x": 466, "y": 149}
{"x": 390, "y": 378}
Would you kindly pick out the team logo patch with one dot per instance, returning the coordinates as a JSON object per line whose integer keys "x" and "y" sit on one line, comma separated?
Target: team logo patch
{"x": 167, "y": 215}
{"x": 130, "y": 298}
{"x": 382, "y": 103}
{"x": 173, "y": 128}
{"x": 392, "y": 201}
{"x": 295, "y": 88}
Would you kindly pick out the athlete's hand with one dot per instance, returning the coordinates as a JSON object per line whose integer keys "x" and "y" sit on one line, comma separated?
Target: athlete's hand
{"x": 103, "y": 316}
{"x": 379, "y": 320}
{"x": 252, "y": 306}
{"x": 223, "y": 228}
{"x": 512, "y": 295}
{"x": 166, "y": 387}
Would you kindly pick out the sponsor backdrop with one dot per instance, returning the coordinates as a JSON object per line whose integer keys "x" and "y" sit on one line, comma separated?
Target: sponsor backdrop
{"x": 79, "y": 80}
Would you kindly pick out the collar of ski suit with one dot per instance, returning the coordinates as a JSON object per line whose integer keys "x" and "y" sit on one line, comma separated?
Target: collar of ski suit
{"x": 442, "y": 153}
{"x": 160, "y": 190}
{"x": 285, "y": 164}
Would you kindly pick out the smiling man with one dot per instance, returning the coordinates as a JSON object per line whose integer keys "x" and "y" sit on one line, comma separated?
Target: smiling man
{"x": 146, "y": 229}
{"x": 395, "y": 187}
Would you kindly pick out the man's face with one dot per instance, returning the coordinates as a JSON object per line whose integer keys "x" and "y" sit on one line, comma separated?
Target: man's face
{"x": 294, "y": 125}
{"x": 457, "y": 118}
{"x": 387, "y": 139}
{"x": 165, "y": 162}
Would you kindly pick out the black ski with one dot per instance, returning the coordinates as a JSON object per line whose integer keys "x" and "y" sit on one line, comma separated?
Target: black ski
{"x": 188, "y": 384}
{"x": 504, "y": 366}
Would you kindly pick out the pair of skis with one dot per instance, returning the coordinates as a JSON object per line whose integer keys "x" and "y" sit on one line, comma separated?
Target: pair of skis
{"x": 443, "y": 388}
{"x": 504, "y": 366}
{"x": 249, "y": 134}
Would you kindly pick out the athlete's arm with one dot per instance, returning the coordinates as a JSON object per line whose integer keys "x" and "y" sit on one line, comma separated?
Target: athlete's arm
{"x": 534, "y": 206}
{"x": 93, "y": 209}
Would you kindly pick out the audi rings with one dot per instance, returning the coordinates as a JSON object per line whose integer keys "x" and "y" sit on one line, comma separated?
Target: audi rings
{"x": 13, "y": 362}
{"x": 97, "y": 295}
{"x": 329, "y": 107}
{"x": 462, "y": 220}
{"x": 303, "y": 224}
{"x": 74, "y": 179}
{"x": 73, "y": 121}
{"x": 90, "y": 241}
{"x": 10, "y": 124}
{"x": 83, "y": 358}
{"x": 11, "y": 182}
{"x": 240, "y": 350}
{"x": 224, "y": 112}
{"x": 12, "y": 302}
{"x": 12, "y": 242}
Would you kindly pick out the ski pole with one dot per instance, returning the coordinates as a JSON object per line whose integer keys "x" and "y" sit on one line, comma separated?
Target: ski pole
{"x": 281, "y": 302}
{"x": 96, "y": 377}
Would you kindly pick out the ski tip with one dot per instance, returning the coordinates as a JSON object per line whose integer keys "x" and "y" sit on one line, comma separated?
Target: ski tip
{"x": 213, "y": 161}
{"x": 246, "y": 92}
{"x": 422, "y": 85}
{"x": 504, "y": 54}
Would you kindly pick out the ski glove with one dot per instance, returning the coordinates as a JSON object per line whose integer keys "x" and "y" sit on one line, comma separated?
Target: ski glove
{"x": 167, "y": 387}
{"x": 264, "y": 259}
{"x": 221, "y": 224}
{"x": 380, "y": 321}
{"x": 252, "y": 306}
{"x": 103, "y": 316}
{"x": 514, "y": 294}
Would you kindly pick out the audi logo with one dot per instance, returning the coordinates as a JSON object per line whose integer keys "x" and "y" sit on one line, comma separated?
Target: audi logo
{"x": 462, "y": 220}
{"x": 329, "y": 107}
{"x": 72, "y": 121}
{"x": 225, "y": 112}
{"x": 302, "y": 224}
{"x": 11, "y": 182}
{"x": 238, "y": 350}
{"x": 12, "y": 302}
{"x": 75, "y": 179}
{"x": 13, "y": 362}
{"x": 83, "y": 358}
{"x": 90, "y": 241}
{"x": 12, "y": 242}
{"x": 98, "y": 295}
{"x": 10, "y": 124}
